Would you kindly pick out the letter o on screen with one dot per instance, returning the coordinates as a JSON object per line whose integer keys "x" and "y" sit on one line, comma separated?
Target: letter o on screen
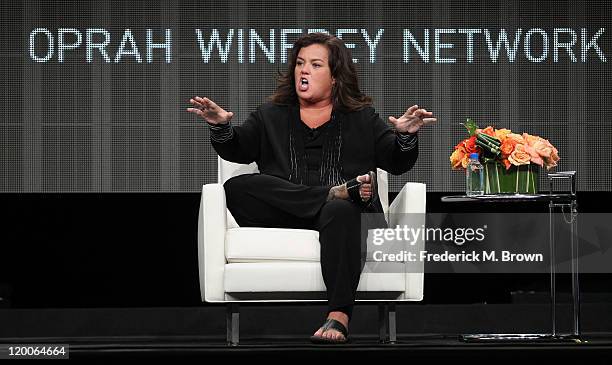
{"x": 527, "y": 45}
{"x": 49, "y": 54}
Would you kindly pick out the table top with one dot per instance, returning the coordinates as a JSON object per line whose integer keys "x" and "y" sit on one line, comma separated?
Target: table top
{"x": 509, "y": 198}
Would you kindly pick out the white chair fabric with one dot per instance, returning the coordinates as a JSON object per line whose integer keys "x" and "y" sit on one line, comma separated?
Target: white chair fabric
{"x": 251, "y": 260}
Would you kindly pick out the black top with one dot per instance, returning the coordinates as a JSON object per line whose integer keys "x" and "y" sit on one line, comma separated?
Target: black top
{"x": 314, "y": 138}
{"x": 355, "y": 143}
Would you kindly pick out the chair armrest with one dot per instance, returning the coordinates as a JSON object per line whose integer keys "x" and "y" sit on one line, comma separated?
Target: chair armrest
{"x": 411, "y": 199}
{"x": 212, "y": 226}
{"x": 408, "y": 208}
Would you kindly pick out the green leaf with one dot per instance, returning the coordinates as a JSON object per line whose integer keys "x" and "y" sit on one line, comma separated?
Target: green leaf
{"x": 488, "y": 145}
{"x": 488, "y": 138}
{"x": 471, "y": 126}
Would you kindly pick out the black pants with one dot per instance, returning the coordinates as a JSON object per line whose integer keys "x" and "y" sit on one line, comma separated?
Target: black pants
{"x": 258, "y": 200}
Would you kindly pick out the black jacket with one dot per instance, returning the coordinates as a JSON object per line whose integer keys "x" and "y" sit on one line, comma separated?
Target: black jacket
{"x": 367, "y": 142}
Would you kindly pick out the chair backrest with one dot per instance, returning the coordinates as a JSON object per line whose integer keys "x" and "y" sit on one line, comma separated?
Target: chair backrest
{"x": 228, "y": 169}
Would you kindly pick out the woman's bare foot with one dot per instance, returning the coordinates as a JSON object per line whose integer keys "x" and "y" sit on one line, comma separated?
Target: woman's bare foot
{"x": 331, "y": 333}
{"x": 340, "y": 191}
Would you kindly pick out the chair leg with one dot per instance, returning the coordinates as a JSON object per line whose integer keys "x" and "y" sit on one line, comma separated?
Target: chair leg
{"x": 383, "y": 317}
{"x": 387, "y": 324}
{"x": 392, "y": 324}
{"x": 232, "y": 323}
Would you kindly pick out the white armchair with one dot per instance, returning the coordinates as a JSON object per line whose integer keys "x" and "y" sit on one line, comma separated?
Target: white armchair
{"x": 250, "y": 264}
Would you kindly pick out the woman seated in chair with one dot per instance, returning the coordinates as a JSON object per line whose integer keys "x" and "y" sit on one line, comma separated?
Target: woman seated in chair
{"x": 317, "y": 143}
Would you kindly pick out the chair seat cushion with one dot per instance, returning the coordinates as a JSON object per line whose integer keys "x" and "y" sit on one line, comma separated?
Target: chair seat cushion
{"x": 305, "y": 277}
{"x": 252, "y": 244}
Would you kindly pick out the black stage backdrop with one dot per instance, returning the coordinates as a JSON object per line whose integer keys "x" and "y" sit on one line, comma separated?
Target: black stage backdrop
{"x": 139, "y": 250}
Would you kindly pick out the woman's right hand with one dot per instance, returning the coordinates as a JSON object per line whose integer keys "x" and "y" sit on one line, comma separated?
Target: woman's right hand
{"x": 209, "y": 111}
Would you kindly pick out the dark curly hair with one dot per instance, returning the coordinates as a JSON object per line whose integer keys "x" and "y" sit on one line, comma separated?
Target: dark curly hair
{"x": 346, "y": 95}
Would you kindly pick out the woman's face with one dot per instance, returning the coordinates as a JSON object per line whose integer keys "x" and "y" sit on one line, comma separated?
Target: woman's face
{"x": 313, "y": 79}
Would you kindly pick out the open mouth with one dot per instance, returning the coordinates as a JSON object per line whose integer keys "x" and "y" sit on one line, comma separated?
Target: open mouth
{"x": 303, "y": 84}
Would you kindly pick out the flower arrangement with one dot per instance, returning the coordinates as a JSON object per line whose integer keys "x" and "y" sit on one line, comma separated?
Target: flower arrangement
{"x": 510, "y": 159}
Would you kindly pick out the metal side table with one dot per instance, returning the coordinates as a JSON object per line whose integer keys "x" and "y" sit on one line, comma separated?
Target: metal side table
{"x": 556, "y": 200}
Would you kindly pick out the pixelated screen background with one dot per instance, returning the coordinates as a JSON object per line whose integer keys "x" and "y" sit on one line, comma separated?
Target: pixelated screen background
{"x": 93, "y": 93}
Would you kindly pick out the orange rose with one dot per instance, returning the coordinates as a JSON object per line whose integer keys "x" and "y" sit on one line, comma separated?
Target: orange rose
{"x": 519, "y": 156}
{"x": 530, "y": 140}
{"x": 551, "y": 161}
{"x": 456, "y": 158}
{"x": 541, "y": 151}
{"x": 535, "y": 157}
{"x": 465, "y": 160}
{"x": 542, "y": 148}
{"x": 545, "y": 150}
{"x": 470, "y": 145}
{"x": 507, "y": 147}
{"x": 502, "y": 133}
{"x": 460, "y": 145}
{"x": 516, "y": 137}
{"x": 489, "y": 131}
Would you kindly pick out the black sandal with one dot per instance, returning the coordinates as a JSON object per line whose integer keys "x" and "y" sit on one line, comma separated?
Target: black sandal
{"x": 352, "y": 186}
{"x": 331, "y": 324}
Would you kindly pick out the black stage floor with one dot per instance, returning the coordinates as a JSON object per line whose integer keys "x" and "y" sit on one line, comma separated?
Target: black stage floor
{"x": 592, "y": 348}
{"x": 281, "y": 332}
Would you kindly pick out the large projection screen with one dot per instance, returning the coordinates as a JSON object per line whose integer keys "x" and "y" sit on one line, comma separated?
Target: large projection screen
{"x": 94, "y": 92}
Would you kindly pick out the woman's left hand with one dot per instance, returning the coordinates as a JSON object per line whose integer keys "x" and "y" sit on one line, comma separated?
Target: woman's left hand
{"x": 412, "y": 120}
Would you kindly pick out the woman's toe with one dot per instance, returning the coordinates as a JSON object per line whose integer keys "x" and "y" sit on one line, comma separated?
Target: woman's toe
{"x": 333, "y": 335}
